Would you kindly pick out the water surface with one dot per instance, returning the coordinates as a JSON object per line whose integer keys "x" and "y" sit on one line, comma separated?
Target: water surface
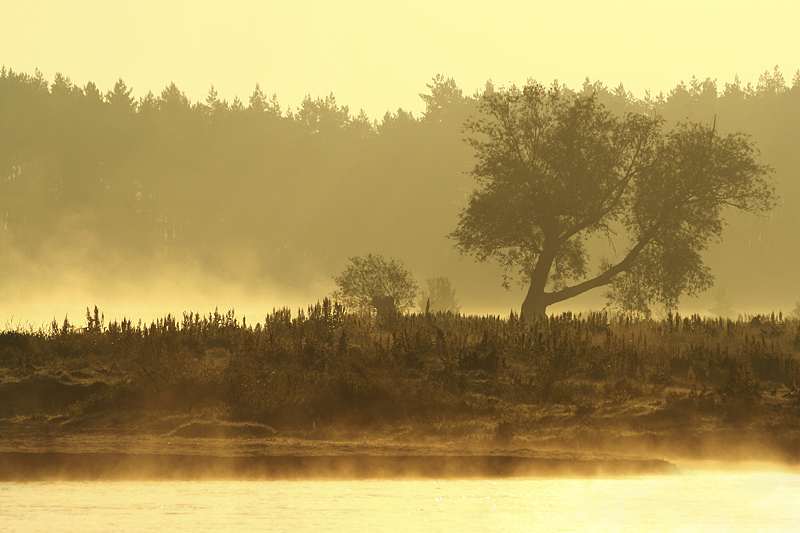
{"x": 693, "y": 500}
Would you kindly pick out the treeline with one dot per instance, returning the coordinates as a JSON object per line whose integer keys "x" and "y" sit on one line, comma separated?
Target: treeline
{"x": 292, "y": 194}
{"x": 166, "y": 178}
{"x": 324, "y": 365}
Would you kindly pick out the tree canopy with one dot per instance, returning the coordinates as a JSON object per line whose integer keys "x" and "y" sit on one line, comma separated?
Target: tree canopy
{"x": 372, "y": 283}
{"x": 439, "y": 296}
{"x": 556, "y": 169}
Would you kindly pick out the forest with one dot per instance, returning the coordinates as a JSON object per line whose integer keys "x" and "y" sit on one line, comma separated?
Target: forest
{"x": 108, "y": 187}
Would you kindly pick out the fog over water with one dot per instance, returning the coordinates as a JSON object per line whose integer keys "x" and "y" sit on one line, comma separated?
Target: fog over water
{"x": 694, "y": 500}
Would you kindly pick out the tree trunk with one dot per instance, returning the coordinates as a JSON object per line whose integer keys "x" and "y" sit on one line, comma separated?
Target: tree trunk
{"x": 535, "y": 304}
{"x": 535, "y": 301}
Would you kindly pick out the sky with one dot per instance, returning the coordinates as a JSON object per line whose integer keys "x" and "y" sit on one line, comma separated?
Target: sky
{"x": 379, "y": 56}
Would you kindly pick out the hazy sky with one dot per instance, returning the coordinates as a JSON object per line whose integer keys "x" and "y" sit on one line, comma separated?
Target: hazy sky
{"x": 379, "y": 55}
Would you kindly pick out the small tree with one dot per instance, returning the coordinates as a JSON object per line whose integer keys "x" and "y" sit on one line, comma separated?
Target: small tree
{"x": 439, "y": 296}
{"x": 723, "y": 304}
{"x": 371, "y": 283}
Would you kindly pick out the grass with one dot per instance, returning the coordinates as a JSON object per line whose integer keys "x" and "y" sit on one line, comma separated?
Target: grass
{"x": 564, "y": 381}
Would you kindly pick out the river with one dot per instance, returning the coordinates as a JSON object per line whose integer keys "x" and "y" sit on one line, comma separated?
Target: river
{"x": 695, "y": 499}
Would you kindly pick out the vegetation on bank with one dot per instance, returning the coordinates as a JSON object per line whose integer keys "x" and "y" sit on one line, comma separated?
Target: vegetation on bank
{"x": 324, "y": 366}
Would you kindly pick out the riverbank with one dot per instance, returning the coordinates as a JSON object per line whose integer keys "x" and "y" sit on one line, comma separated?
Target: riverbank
{"x": 50, "y": 466}
{"x": 329, "y": 384}
{"x": 194, "y": 446}
{"x": 41, "y": 450}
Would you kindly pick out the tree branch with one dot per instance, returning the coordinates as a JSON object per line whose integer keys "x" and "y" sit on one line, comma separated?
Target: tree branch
{"x": 606, "y": 277}
{"x": 617, "y": 196}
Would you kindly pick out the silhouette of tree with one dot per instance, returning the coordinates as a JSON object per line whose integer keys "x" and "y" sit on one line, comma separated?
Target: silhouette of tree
{"x": 771, "y": 83}
{"x": 173, "y": 99}
{"x": 120, "y": 96}
{"x": 323, "y": 115}
{"x": 445, "y": 99}
{"x": 213, "y": 103}
{"x": 373, "y": 283}
{"x": 723, "y": 304}
{"x": 555, "y": 169}
{"x": 148, "y": 104}
{"x": 396, "y": 121}
{"x": 258, "y": 101}
{"x": 237, "y": 105}
{"x": 361, "y": 125}
{"x": 273, "y": 106}
{"x": 62, "y": 87}
{"x": 440, "y": 296}
{"x": 92, "y": 93}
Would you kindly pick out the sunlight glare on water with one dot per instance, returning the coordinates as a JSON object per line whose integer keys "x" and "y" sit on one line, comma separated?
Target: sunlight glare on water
{"x": 697, "y": 500}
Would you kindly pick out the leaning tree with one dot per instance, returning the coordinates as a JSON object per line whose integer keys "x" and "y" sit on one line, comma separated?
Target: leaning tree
{"x": 555, "y": 169}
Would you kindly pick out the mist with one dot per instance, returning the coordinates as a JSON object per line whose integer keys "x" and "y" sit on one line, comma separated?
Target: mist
{"x": 162, "y": 205}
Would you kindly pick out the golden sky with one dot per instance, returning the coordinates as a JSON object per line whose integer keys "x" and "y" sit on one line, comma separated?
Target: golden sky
{"x": 379, "y": 55}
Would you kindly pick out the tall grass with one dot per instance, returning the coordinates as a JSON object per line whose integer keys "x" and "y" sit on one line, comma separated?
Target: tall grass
{"x": 323, "y": 364}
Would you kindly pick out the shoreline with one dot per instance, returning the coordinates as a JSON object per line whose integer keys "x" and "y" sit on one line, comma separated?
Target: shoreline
{"x": 111, "y": 466}
{"x": 174, "y": 449}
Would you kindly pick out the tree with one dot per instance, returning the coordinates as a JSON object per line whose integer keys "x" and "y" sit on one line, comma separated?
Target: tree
{"x": 555, "y": 169}
{"x": 213, "y": 103}
{"x": 445, "y": 99}
{"x": 362, "y": 126}
{"x": 373, "y": 283}
{"x": 323, "y": 115}
{"x": 62, "y": 87}
{"x": 173, "y": 99}
{"x": 723, "y": 304}
{"x": 273, "y": 107}
{"x": 120, "y": 97}
{"x": 440, "y": 296}
{"x": 92, "y": 93}
{"x": 237, "y": 105}
{"x": 258, "y": 101}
